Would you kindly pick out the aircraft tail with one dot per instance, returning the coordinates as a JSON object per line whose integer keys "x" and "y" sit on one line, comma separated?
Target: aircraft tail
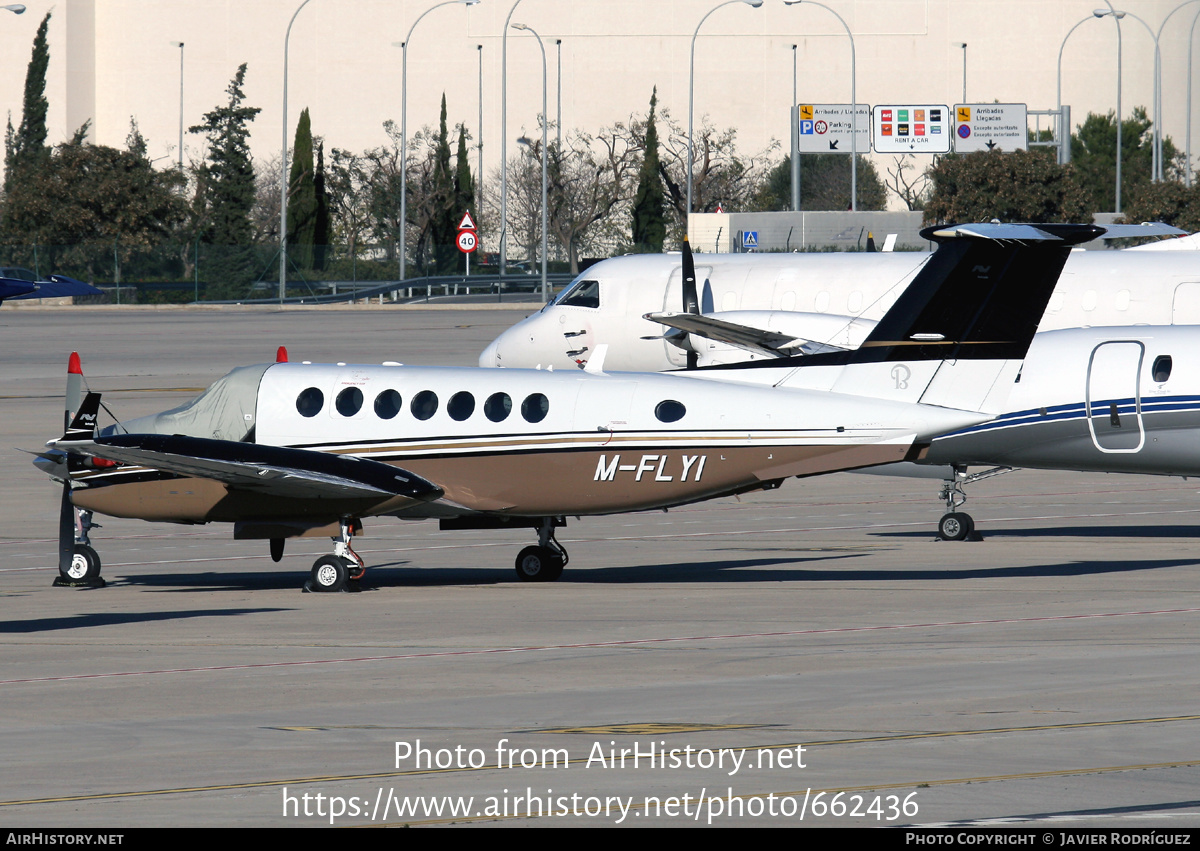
{"x": 83, "y": 424}
{"x": 956, "y": 337}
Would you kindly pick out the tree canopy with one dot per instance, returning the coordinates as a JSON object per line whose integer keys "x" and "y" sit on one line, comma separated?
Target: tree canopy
{"x": 1012, "y": 186}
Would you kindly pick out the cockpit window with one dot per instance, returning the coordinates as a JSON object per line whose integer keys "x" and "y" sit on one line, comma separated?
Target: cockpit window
{"x": 582, "y": 294}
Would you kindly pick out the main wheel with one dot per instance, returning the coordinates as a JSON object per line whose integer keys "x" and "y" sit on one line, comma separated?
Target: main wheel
{"x": 85, "y": 564}
{"x": 956, "y": 526}
{"x": 330, "y": 573}
{"x": 539, "y": 564}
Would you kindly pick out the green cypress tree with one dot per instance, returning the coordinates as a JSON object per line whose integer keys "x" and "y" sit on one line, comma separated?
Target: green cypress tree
{"x": 302, "y": 197}
{"x": 444, "y": 226}
{"x": 226, "y": 188}
{"x": 29, "y": 142}
{"x": 27, "y": 145}
{"x": 324, "y": 229}
{"x": 464, "y": 184}
{"x": 649, "y": 204}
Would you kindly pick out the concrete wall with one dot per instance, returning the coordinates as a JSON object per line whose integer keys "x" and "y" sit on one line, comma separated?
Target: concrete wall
{"x": 844, "y": 231}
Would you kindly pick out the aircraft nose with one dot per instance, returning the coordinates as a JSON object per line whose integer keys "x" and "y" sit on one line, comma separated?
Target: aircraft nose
{"x": 490, "y": 356}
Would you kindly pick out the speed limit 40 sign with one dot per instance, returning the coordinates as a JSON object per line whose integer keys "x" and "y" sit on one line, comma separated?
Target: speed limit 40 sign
{"x": 467, "y": 241}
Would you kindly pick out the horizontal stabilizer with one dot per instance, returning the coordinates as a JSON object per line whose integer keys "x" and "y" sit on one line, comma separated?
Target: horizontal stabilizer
{"x": 267, "y": 470}
{"x": 755, "y": 340}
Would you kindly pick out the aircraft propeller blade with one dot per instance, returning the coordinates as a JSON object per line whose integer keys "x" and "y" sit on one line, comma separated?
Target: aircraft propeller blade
{"x": 691, "y": 303}
{"x": 66, "y": 530}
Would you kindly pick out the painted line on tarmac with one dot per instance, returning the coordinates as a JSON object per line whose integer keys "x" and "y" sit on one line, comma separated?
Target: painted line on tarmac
{"x": 632, "y": 642}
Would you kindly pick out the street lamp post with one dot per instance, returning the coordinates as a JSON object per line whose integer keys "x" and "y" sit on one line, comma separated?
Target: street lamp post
{"x": 692, "y": 89}
{"x": 545, "y": 157}
{"x": 1155, "y": 106}
{"x": 853, "y": 101}
{"x": 795, "y": 140}
{"x": 179, "y": 44}
{"x": 1116, "y": 16}
{"x": 504, "y": 143}
{"x": 1064, "y": 126}
{"x": 404, "y": 127}
{"x": 283, "y": 175}
{"x": 1158, "y": 77}
{"x": 963, "y": 45}
{"x": 1188, "y": 143}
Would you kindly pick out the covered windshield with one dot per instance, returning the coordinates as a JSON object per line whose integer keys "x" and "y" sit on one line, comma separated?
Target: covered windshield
{"x": 225, "y": 411}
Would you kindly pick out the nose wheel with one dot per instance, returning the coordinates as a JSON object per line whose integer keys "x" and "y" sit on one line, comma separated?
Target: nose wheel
{"x": 957, "y": 525}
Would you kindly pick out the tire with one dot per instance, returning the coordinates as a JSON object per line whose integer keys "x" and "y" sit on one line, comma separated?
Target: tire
{"x": 956, "y": 526}
{"x": 85, "y": 565}
{"x": 330, "y": 574}
{"x": 539, "y": 564}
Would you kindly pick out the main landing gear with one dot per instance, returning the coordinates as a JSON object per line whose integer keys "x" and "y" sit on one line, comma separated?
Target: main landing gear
{"x": 545, "y": 561}
{"x": 82, "y": 568}
{"x": 957, "y": 525}
{"x": 342, "y": 570}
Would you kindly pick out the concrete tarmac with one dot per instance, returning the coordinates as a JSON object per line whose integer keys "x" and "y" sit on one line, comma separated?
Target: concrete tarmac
{"x": 808, "y": 656}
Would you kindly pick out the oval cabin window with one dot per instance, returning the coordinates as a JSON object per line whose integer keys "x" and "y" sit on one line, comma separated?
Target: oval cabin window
{"x": 387, "y": 404}
{"x": 349, "y": 402}
{"x": 497, "y": 407}
{"x": 424, "y": 405}
{"x": 310, "y": 401}
{"x": 461, "y": 406}
{"x": 535, "y": 407}
{"x": 669, "y": 411}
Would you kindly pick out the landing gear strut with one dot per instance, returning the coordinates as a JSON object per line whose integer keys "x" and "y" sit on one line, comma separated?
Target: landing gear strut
{"x": 545, "y": 561}
{"x": 83, "y": 569}
{"x": 957, "y": 525}
{"x": 342, "y": 570}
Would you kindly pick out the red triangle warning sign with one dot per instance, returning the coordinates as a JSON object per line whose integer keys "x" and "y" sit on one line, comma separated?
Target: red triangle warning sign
{"x": 467, "y": 222}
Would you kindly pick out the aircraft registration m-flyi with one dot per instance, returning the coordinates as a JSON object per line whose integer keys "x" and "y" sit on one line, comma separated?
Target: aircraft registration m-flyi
{"x": 286, "y": 449}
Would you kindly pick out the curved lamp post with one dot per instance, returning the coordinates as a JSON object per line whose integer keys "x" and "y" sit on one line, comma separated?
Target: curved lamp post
{"x": 404, "y": 127}
{"x": 692, "y": 90}
{"x": 853, "y": 100}
{"x": 545, "y": 157}
{"x": 283, "y": 175}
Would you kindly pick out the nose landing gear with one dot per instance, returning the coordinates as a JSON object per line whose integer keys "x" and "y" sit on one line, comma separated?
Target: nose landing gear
{"x": 957, "y": 525}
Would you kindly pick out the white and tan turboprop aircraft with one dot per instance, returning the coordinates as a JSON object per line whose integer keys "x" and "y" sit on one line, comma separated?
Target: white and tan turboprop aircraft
{"x": 763, "y": 305}
{"x": 285, "y": 449}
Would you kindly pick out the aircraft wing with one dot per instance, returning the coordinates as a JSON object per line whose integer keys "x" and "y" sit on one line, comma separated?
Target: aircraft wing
{"x": 55, "y": 287}
{"x": 12, "y": 289}
{"x": 268, "y": 470}
{"x": 773, "y": 344}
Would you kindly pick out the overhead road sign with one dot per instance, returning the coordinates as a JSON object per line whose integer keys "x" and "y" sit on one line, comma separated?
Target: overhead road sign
{"x": 990, "y": 126}
{"x": 911, "y": 129}
{"x": 825, "y": 128}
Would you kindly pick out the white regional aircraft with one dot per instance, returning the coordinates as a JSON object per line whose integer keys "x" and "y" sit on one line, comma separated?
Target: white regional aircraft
{"x": 1066, "y": 412}
{"x": 285, "y": 449}
{"x": 786, "y": 302}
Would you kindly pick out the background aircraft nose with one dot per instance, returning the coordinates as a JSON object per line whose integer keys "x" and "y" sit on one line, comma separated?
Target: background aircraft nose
{"x": 491, "y": 355}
